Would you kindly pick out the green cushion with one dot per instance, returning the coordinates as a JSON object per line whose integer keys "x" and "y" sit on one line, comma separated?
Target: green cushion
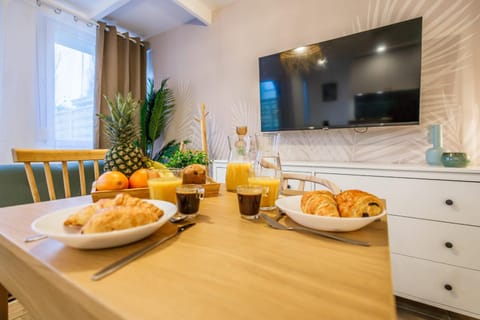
{"x": 14, "y": 187}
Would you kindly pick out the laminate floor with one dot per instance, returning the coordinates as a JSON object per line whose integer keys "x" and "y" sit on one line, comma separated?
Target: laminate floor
{"x": 411, "y": 310}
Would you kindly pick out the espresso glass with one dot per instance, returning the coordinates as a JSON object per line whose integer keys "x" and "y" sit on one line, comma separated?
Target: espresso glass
{"x": 188, "y": 199}
{"x": 249, "y": 197}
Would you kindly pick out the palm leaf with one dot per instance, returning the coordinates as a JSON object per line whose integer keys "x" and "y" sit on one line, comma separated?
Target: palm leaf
{"x": 163, "y": 107}
{"x": 145, "y": 114}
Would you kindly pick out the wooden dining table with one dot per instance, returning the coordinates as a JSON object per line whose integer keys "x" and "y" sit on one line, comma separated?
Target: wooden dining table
{"x": 224, "y": 267}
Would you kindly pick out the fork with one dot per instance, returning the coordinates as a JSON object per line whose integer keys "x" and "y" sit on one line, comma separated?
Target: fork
{"x": 277, "y": 225}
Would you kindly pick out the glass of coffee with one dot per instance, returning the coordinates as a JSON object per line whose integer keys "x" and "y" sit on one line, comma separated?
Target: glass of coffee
{"x": 249, "y": 197}
{"x": 188, "y": 199}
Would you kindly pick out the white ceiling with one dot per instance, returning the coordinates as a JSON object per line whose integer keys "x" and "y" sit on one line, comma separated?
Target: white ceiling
{"x": 144, "y": 18}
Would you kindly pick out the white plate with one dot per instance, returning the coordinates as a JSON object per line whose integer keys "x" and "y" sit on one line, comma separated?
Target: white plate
{"x": 291, "y": 206}
{"x": 52, "y": 226}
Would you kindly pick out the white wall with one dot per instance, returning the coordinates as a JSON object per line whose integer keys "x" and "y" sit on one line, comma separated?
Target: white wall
{"x": 17, "y": 120}
{"x": 218, "y": 66}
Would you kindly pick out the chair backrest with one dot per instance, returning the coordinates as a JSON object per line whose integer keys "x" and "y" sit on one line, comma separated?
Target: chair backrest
{"x": 27, "y": 156}
{"x": 302, "y": 179}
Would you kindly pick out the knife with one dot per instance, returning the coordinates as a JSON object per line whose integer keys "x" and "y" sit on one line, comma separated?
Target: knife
{"x": 136, "y": 254}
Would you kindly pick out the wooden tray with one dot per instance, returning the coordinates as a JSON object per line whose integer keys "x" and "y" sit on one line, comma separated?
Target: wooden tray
{"x": 212, "y": 189}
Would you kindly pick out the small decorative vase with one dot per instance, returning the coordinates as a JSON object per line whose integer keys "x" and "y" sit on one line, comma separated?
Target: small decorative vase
{"x": 433, "y": 155}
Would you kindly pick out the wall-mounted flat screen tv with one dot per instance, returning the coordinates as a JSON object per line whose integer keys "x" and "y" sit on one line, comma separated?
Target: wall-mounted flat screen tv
{"x": 366, "y": 79}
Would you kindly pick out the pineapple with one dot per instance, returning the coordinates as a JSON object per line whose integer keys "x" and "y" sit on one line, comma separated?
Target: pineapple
{"x": 122, "y": 131}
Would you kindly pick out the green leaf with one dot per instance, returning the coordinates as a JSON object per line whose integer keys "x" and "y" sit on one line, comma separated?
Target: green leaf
{"x": 145, "y": 114}
{"x": 181, "y": 159}
{"x": 167, "y": 151}
{"x": 162, "y": 109}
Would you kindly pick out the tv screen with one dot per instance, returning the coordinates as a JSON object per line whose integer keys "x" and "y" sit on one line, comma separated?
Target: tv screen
{"x": 370, "y": 78}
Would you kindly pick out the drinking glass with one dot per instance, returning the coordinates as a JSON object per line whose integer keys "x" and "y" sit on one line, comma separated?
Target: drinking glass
{"x": 249, "y": 198}
{"x": 270, "y": 181}
{"x": 162, "y": 184}
{"x": 188, "y": 199}
{"x": 267, "y": 169}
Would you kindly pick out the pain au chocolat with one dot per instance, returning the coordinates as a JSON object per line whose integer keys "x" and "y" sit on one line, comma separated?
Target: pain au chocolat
{"x": 357, "y": 203}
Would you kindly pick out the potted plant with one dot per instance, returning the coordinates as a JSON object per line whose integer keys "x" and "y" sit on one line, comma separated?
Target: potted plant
{"x": 183, "y": 158}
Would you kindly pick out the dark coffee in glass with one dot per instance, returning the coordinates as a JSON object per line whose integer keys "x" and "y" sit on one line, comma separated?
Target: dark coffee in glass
{"x": 188, "y": 203}
{"x": 188, "y": 199}
{"x": 249, "y": 197}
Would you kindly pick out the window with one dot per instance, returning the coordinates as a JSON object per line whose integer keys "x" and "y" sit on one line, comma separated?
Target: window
{"x": 66, "y": 86}
{"x": 269, "y": 105}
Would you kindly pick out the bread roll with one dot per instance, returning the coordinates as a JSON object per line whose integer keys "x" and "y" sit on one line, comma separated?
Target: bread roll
{"x": 194, "y": 174}
{"x": 357, "y": 203}
{"x": 320, "y": 203}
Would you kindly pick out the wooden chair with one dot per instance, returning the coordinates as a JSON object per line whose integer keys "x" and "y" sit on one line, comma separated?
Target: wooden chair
{"x": 302, "y": 179}
{"x": 27, "y": 156}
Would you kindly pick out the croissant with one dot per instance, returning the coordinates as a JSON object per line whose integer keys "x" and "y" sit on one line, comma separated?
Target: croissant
{"x": 118, "y": 218}
{"x": 321, "y": 203}
{"x": 125, "y": 200}
{"x": 357, "y": 203}
{"x": 81, "y": 217}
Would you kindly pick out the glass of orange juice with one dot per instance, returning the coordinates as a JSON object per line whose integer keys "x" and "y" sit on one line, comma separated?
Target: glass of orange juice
{"x": 267, "y": 172}
{"x": 271, "y": 187}
{"x": 162, "y": 184}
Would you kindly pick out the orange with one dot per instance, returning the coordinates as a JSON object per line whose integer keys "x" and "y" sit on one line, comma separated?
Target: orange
{"x": 111, "y": 180}
{"x": 138, "y": 179}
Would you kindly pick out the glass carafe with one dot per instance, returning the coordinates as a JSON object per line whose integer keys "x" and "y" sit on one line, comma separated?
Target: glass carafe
{"x": 267, "y": 169}
{"x": 239, "y": 159}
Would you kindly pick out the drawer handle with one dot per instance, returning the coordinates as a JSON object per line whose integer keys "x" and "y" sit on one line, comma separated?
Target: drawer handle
{"x": 448, "y": 287}
{"x": 449, "y": 202}
{"x": 448, "y": 244}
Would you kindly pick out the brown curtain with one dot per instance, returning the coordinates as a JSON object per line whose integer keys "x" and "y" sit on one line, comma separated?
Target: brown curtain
{"x": 120, "y": 68}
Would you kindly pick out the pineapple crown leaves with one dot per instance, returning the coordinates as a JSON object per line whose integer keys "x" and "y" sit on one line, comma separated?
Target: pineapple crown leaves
{"x": 155, "y": 112}
{"x": 119, "y": 124}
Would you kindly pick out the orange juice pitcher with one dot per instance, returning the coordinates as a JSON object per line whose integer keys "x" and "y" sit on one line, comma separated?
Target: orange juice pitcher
{"x": 239, "y": 163}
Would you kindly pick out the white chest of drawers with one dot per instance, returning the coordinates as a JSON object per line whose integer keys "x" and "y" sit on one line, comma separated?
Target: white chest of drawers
{"x": 434, "y": 226}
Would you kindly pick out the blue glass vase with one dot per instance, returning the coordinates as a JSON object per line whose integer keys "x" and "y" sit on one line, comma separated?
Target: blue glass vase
{"x": 433, "y": 155}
